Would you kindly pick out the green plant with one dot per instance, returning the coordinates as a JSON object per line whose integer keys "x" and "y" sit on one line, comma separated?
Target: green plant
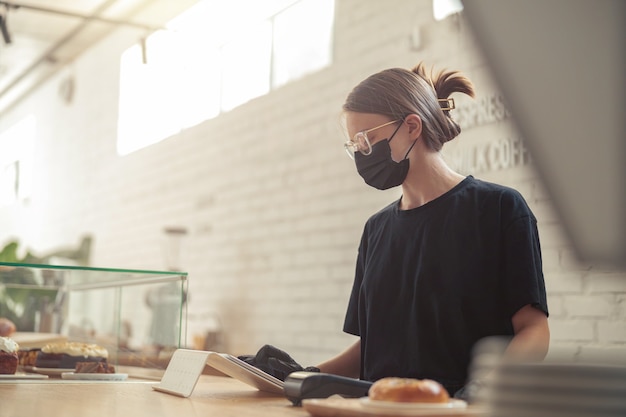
{"x": 21, "y": 293}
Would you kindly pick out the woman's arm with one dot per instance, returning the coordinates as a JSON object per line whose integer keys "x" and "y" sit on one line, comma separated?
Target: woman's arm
{"x": 532, "y": 335}
{"x": 347, "y": 363}
{"x": 530, "y": 343}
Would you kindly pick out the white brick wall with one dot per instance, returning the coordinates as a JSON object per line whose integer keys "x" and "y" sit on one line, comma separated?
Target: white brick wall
{"x": 273, "y": 206}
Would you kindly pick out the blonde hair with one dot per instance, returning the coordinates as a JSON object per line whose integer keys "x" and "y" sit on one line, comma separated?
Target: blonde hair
{"x": 397, "y": 92}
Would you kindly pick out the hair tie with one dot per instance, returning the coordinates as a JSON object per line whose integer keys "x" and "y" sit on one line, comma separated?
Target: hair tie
{"x": 446, "y": 104}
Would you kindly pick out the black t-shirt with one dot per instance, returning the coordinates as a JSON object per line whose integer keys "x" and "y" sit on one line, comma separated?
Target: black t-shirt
{"x": 432, "y": 281}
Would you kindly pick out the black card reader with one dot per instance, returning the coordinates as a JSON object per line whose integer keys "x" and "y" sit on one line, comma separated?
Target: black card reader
{"x": 301, "y": 385}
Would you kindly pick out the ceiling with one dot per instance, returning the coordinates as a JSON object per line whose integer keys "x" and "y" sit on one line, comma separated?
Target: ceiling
{"x": 43, "y": 36}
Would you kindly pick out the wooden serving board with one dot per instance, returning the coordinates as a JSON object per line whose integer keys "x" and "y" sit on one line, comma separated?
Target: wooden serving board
{"x": 353, "y": 407}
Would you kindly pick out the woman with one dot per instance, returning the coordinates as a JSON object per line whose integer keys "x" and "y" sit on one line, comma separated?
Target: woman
{"x": 454, "y": 260}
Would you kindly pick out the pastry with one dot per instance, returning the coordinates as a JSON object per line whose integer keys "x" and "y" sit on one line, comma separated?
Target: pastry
{"x": 28, "y": 357}
{"x": 408, "y": 390}
{"x": 7, "y": 328}
{"x": 66, "y": 355}
{"x": 8, "y": 355}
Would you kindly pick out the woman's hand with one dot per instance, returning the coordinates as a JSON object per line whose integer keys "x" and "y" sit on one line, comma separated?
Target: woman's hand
{"x": 275, "y": 362}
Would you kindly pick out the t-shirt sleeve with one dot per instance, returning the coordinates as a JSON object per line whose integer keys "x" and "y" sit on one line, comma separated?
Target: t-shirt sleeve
{"x": 351, "y": 323}
{"x": 523, "y": 272}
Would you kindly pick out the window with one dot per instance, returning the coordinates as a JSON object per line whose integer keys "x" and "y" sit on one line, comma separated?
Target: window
{"x": 16, "y": 165}
{"x": 246, "y": 66}
{"x": 300, "y": 47}
{"x": 214, "y": 57}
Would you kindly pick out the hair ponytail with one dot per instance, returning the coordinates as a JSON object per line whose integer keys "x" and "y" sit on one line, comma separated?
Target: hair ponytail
{"x": 446, "y": 82}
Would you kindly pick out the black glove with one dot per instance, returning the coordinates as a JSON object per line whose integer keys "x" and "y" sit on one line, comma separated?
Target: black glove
{"x": 275, "y": 362}
{"x": 471, "y": 391}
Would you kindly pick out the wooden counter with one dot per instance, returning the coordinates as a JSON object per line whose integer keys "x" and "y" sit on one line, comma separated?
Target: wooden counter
{"x": 212, "y": 396}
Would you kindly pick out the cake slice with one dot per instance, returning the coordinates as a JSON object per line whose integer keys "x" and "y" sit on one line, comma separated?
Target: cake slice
{"x": 94, "y": 368}
{"x": 66, "y": 355}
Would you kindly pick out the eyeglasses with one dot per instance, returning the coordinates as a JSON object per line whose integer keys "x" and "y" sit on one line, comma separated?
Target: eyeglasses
{"x": 361, "y": 143}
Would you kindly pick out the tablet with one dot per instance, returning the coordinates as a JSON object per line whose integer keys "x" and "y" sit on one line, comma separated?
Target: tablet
{"x": 244, "y": 372}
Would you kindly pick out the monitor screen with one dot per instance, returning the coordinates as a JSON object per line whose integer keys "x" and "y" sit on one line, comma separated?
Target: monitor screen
{"x": 561, "y": 67}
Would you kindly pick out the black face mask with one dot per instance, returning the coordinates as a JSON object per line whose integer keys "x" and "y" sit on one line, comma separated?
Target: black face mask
{"x": 378, "y": 169}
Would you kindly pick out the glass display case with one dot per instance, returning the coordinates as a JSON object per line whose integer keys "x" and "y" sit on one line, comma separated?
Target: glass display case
{"x": 139, "y": 316}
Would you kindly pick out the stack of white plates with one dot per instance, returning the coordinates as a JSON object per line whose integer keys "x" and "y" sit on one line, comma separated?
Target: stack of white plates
{"x": 557, "y": 389}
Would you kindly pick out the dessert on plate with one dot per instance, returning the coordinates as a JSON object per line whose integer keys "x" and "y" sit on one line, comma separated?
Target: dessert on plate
{"x": 408, "y": 390}
{"x": 8, "y": 355}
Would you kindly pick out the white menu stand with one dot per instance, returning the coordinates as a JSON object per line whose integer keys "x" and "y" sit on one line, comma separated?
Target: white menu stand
{"x": 183, "y": 372}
